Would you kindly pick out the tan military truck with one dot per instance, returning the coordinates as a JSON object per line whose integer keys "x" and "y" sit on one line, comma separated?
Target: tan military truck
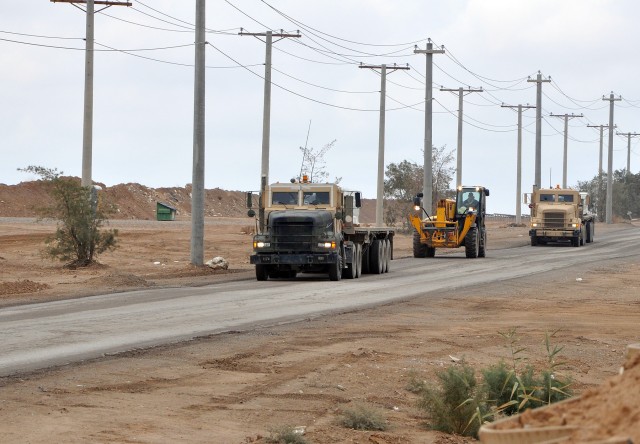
{"x": 561, "y": 214}
{"x": 314, "y": 228}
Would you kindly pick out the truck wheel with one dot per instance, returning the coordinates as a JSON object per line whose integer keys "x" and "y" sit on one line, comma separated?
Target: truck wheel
{"x": 471, "y": 243}
{"x": 482, "y": 248}
{"x": 575, "y": 241}
{"x": 588, "y": 229}
{"x": 335, "y": 270}
{"x": 366, "y": 254}
{"x": 581, "y": 237}
{"x": 419, "y": 249}
{"x": 358, "y": 260}
{"x": 431, "y": 252}
{"x": 350, "y": 271}
{"x": 387, "y": 256}
{"x": 534, "y": 240}
{"x": 376, "y": 265}
{"x": 262, "y": 272}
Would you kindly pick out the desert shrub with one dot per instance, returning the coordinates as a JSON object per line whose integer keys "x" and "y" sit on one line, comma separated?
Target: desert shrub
{"x": 457, "y": 405}
{"x": 362, "y": 417}
{"x": 78, "y": 239}
{"x": 286, "y": 435}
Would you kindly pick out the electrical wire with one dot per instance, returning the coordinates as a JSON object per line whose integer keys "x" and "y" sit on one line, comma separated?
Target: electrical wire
{"x": 322, "y": 87}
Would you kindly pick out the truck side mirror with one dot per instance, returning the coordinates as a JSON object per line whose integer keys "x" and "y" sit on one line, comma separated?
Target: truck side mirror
{"x": 249, "y": 200}
{"x": 251, "y": 213}
{"x": 339, "y": 215}
{"x": 358, "y": 199}
{"x": 486, "y": 192}
{"x": 416, "y": 200}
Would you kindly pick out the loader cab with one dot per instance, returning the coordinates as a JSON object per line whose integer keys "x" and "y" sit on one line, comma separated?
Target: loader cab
{"x": 471, "y": 200}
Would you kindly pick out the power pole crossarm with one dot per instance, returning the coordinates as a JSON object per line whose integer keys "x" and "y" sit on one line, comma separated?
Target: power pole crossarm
{"x": 461, "y": 93}
{"x": 519, "y": 160}
{"x": 381, "y": 129}
{"x": 427, "y": 185}
{"x": 566, "y": 118}
{"x": 96, "y": 2}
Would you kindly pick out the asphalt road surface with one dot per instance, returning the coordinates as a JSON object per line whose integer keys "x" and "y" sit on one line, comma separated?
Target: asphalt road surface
{"x": 42, "y": 335}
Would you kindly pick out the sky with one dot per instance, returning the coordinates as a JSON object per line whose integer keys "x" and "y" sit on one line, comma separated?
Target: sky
{"x": 144, "y": 88}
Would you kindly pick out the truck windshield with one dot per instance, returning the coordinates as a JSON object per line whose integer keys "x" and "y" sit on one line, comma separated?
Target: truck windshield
{"x": 284, "y": 198}
{"x": 315, "y": 198}
{"x": 565, "y": 197}
{"x": 547, "y": 198}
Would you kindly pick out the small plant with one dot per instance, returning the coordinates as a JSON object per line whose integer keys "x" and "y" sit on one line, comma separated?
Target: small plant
{"x": 457, "y": 405}
{"x": 415, "y": 384}
{"x": 362, "y": 417}
{"x": 286, "y": 435}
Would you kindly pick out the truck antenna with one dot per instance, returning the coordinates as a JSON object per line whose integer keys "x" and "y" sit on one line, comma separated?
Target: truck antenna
{"x": 304, "y": 151}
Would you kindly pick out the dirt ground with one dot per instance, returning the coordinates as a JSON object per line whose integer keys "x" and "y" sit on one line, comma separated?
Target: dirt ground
{"x": 239, "y": 387}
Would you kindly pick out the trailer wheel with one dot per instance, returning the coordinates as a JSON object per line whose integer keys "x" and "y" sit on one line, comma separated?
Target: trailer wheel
{"x": 482, "y": 246}
{"x": 262, "y": 272}
{"x": 365, "y": 255}
{"x": 419, "y": 249}
{"x": 335, "y": 270}
{"x": 376, "y": 265}
{"x": 471, "y": 243}
{"x": 387, "y": 256}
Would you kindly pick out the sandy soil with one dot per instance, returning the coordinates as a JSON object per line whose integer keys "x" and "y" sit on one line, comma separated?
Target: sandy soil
{"x": 237, "y": 387}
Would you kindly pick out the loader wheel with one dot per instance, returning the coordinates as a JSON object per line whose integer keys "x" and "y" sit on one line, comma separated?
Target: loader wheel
{"x": 376, "y": 258}
{"x": 419, "y": 249}
{"x": 335, "y": 270}
{"x": 482, "y": 245}
{"x": 431, "y": 252}
{"x": 262, "y": 272}
{"x": 471, "y": 243}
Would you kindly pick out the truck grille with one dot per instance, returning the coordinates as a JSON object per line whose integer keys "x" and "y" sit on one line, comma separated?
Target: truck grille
{"x": 554, "y": 220}
{"x": 292, "y": 237}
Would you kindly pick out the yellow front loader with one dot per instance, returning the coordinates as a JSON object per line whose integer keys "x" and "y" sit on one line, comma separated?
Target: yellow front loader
{"x": 457, "y": 223}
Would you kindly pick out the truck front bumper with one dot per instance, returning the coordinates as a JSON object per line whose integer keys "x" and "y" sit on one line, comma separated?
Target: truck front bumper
{"x": 294, "y": 258}
{"x": 550, "y": 234}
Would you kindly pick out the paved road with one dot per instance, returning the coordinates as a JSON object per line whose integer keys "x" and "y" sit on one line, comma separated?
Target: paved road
{"x": 42, "y": 335}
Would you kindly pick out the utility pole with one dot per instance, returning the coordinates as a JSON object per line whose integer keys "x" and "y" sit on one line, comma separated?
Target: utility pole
{"x": 461, "y": 93}
{"x": 266, "y": 113}
{"x": 519, "y": 160}
{"x": 566, "y": 118}
{"x": 629, "y": 136}
{"x": 427, "y": 184}
{"x": 87, "y": 127}
{"x": 383, "y": 94}
{"x": 538, "y": 159}
{"x": 197, "y": 180}
{"x": 599, "y": 199}
{"x": 609, "y": 210}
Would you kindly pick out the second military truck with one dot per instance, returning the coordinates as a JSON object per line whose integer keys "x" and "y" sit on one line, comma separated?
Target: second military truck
{"x": 314, "y": 227}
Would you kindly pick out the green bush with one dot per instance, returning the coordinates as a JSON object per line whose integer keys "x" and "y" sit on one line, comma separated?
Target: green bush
{"x": 286, "y": 435}
{"x": 78, "y": 239}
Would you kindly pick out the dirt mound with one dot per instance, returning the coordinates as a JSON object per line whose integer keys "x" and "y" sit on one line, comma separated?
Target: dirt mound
{"x": 135, "y": 201}
{"x": 21, "y": 287}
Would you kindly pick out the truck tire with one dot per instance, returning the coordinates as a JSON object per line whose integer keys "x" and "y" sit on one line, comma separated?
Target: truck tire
{"x": 376, "y": 265}
{"x": 366, "y": 253}
{"x": 358, "y": 260}
{"x": 482, "y": 245}
{"x": 589, "y": 232}
{"x": 419, "y": 249}
{"x": 350, "y": 271}
{"x": 387, "y": 256}
{"x": 575, "y": 241}
{"x": 534, "y": 240}
{"x": 471, "y": 243}
{"x": 335, "y": 270}
{"x": 262, "y": 272}
{"x": 581, "y": 237}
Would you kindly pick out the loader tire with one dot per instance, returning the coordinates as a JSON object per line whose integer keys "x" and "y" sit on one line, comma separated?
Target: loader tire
{"x": 482, "y": 245}
{"x": 471, "y": 243}
{"x": 419, "y": 249}
{"x": 431, "y": 252}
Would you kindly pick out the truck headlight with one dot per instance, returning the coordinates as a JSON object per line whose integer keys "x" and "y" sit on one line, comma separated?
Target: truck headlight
{"x": 534, "y": 224}
{"x": 261, "y": 244}
{"x": 331, "y": 245}
{"x": 574, "y": 225}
